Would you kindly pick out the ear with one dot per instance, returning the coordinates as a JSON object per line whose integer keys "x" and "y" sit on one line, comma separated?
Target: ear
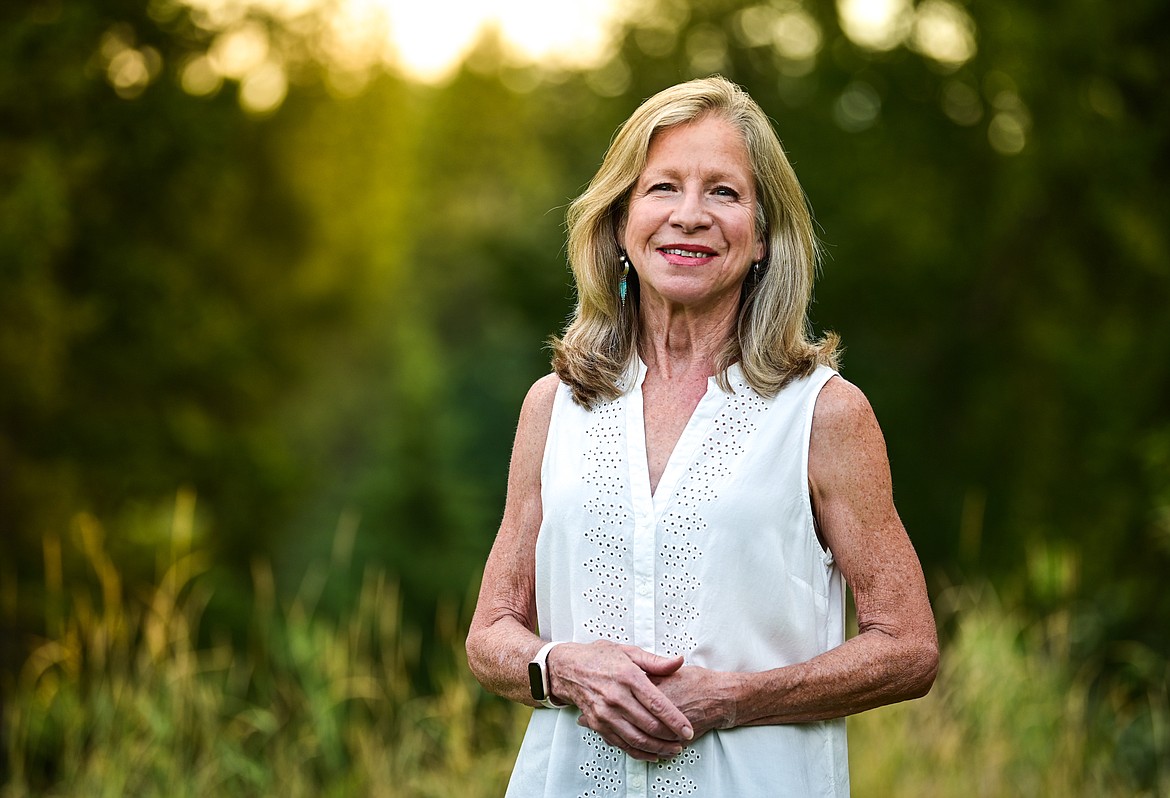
{"x": 761, "y": 252}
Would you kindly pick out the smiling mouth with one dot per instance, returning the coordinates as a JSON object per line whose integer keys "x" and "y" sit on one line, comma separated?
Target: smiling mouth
{"x": 686, "y": 253}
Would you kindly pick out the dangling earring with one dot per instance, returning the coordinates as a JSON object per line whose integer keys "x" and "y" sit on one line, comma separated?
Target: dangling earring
{"x": 756, "y": 275}
{"x": 625, "y": 261}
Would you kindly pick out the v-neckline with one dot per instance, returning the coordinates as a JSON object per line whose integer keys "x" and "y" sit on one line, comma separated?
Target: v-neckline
{"x": 652, "y": 503}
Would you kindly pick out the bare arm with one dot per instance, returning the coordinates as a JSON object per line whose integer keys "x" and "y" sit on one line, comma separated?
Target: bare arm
{"x": 894, "y": 657}
{"x": 606, "y": 681}
{"x": 502, "y": 638}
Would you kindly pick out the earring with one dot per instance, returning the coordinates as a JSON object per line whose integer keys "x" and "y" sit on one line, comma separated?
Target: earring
{"x": 625, "y": 261}
{"x": 756, "y": 271}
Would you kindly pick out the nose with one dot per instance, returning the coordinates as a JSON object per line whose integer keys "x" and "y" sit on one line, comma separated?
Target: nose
{"x": 690, "y": 213}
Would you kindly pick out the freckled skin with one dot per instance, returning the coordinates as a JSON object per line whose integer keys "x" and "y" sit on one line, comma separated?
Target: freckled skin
{"x": 501, "y": 641}
{"x": 696, "y": 193}
{"x": 610, "y": 683}
{"x": 894, "y": 657}
{"x": 651, "y": 706}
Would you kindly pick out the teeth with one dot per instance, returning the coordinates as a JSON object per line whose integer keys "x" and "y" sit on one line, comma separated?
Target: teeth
{"x": 686, "y": 253}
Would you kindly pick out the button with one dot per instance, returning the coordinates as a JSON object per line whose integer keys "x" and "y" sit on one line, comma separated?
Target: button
{"x": 636, "y": 778}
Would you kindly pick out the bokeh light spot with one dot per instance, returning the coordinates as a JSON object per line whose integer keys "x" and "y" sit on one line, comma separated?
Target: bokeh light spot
{"x": 876, "y": 24}
{"x": 239, "y": 50}
{"x": 611, "y": 80}
{"x": 129, "y": 70}
{"x": 199, "y": 78}
{"x": 706, "y": 49}
{"x": 944, "y": 32}
{"x": 753, "y": 25}
{"x": 655, "y": 41}
{"x": 264, "y": 88}
{"x": 858, "y": 107}
{"x": 1007, "y": 133}
{"x": 127, "y": 73}
{"x": 1102, "y": 96}
{"x": 961, "y": 103}
{"x": 785, "y": 26}
{"x": 797, "y": 36}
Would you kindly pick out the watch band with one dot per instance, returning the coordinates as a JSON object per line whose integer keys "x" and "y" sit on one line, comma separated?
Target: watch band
{"x": 538, "y": 679}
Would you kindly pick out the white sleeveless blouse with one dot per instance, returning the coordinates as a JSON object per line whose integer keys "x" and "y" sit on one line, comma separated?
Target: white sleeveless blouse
{"x": 721, "y": 564}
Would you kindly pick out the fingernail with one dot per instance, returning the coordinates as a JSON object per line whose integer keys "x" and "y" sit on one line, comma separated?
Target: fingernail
{"x": 688, "y": 732}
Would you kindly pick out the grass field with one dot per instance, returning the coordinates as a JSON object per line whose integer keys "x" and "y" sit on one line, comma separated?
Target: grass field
{"x": 123, "y": 699}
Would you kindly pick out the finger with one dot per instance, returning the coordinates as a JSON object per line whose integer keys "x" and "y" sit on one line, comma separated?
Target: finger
{"x": 633, "y": 725}
{"x": 632, "y": 741}
{"x": 637, "y": 739}
{"x": 664, "y": 712}
{"x": 653, "y": 664}
{"x": 634, "y": 700}
{"x": 632, "y": 730}
{"x": 648, "y": 723}
{"x": 629, "y": 694}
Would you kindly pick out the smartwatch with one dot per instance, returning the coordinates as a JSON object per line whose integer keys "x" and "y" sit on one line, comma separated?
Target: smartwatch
{"x": 538, "y": 677}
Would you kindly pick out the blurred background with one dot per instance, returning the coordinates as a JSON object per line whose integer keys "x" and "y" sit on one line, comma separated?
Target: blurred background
{"x": 276, "y": 274}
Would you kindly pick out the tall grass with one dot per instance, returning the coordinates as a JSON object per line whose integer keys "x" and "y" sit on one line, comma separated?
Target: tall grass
{"x": 121, "y": 698}
{"x": 1012, "y": 715}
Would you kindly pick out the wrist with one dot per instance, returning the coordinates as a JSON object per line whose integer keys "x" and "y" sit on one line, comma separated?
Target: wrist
{"x": 540, "y": 678}
{"x": 556, "y": 684}
{"x": 730, "y": 716}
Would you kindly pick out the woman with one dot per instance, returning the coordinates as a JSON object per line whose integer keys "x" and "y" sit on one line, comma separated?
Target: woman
{"x": 690, "y": 490}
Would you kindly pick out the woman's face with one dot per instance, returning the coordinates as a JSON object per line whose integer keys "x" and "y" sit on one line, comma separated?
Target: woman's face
{"x": 690, "y": 229}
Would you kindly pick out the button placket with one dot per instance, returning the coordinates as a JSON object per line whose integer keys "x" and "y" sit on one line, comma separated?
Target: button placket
{"x": 637, "y": 778}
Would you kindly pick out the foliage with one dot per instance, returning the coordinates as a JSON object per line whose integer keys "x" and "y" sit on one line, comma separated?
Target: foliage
{"x": 154, "y": 307}
{"x": 333, "y": 308}
{"x": 124, "y": 698}
{"x": 1011, "y": 714}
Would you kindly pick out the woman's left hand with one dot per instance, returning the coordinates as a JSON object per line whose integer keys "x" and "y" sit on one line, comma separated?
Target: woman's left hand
{"x": 703, "y": 695}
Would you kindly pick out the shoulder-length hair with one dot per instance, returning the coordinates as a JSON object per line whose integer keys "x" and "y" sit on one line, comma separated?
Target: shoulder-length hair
{"x": 773, "y": 339}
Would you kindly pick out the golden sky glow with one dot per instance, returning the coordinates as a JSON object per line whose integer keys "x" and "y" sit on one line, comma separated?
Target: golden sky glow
{"x": 426, "y": 39}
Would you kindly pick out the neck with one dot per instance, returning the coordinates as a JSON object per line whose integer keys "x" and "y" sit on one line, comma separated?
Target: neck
{"x": 676, "y": 343}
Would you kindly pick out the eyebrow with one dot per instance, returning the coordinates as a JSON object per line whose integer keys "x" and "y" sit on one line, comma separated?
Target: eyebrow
{"x": 713, "y": 177}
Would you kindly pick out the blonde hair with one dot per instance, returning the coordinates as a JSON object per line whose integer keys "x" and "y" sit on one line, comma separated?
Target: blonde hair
{"x": 773, "y": 340}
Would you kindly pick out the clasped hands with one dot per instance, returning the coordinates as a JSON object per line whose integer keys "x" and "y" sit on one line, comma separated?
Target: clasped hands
{"x": 647, "y": 705}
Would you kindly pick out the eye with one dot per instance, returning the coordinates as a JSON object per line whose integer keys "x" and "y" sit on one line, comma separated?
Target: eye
{"x": 726, "y": 191}
{"x": 661, "y": 187}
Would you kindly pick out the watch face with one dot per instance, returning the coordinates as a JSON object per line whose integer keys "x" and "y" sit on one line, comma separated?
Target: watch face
{"x": 536, "y": 681}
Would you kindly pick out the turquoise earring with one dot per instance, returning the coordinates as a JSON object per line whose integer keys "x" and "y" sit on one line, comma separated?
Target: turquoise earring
{"x": 625, "y": 261}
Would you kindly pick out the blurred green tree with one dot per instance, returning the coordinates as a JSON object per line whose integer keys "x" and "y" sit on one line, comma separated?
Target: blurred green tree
{"x": 338, "y": 305}
{"x": 155, "y": 308}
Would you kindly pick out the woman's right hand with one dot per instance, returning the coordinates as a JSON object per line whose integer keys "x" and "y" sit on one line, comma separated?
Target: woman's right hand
{"x": 610, "y": 683}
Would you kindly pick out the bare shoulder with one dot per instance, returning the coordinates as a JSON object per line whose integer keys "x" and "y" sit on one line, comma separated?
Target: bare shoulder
{"x": 536, "y": 411}
{"x": 842, "y": 409}
{"x": 532, "y": 429}
{"x": 540, "y": 396}
{"x": 846, "y": 446}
